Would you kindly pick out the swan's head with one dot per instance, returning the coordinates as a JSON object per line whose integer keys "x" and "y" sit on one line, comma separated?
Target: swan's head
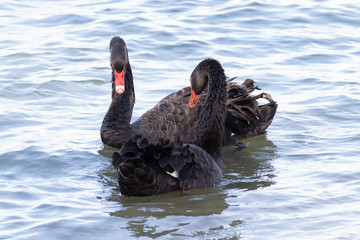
{"x": 198, "y": 81}
{"x": 118, "y": 62}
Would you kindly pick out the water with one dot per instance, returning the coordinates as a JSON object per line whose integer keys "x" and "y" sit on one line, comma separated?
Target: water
{"x": 298, "y": 181}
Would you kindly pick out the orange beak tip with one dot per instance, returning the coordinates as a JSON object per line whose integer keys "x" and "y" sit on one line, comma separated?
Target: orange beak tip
{"x": 193, "y": 99}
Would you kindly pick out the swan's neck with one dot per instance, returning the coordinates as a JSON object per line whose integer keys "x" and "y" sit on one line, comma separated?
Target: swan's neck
{"x": 115, "y": 129}
{"x": 211, "y": 123}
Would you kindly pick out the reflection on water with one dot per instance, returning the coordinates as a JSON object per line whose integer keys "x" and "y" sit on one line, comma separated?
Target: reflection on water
{"x": 160, "y": 215}
{"x": 246, "y": 169}
{"x": 196, "y": 202}
{"x": 250, "y": 168}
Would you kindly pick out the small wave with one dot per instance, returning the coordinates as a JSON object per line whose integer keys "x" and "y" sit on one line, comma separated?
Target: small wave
{"x": 61, "y": 19}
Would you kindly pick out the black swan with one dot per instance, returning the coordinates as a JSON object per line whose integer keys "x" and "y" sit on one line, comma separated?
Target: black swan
{"x": 171, "y": 117}
{"x": 147, "y": 168}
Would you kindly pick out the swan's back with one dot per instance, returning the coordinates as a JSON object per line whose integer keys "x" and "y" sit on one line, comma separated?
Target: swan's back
{"x": 170, "y": 118}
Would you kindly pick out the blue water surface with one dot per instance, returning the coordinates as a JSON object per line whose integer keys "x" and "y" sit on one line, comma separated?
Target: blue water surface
{"x": 300, "y": 180}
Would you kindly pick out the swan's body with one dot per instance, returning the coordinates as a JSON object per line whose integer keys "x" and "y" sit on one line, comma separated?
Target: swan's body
{"x": 245, "y": 118}
{"x": 151, "y": 168}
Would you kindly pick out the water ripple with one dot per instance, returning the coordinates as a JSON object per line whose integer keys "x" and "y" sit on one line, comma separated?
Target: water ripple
{"x": 56, "y": 177}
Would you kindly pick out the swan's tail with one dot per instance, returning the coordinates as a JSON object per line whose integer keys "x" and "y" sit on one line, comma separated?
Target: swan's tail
{"x": 245, "y": 117}
{"x": 135, "y": 178}
{"x": 152, "y": 168}
{"x": 139, "y": 168}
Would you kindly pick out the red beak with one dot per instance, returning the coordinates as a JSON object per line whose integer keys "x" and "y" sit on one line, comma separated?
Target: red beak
{"x": 119, "y": 82}
{"x": 193, "y": 99}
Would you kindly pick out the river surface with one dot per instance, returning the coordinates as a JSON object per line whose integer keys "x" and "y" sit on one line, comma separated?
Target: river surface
{"x": 300, "y": 180}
